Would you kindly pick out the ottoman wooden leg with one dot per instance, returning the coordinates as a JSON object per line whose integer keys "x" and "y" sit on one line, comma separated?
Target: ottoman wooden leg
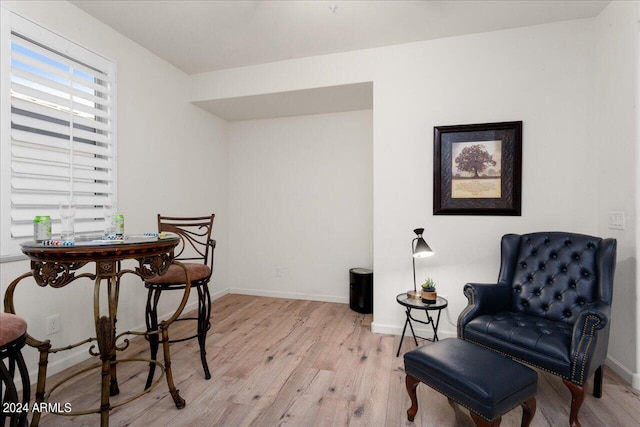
{"x": 528, "y": 411}
{"x": 481, "y": 422}
{"x": 412, "y": 384}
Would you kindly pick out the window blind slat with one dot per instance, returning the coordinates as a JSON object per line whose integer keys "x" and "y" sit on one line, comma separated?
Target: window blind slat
{"x": 41, "y": 125}
{"x": 60, "y": 156}
{"x": 39, "y": 109}
{"x": 90, "y": 123}
{"x": 98, "y": 150}
{"x": 59, "y": 172}
{"x": 95, "y": 162}
{"x": 40, "y": 96}
{"x": 46, "y": 170}
{"x": 92, "y": 174}
{"x": 39, "y": 184}
{"x": 47, "y": 156}
{"x": 20, "y": 137}
{"x": 52, "y": 200}
{"x": 90, "y": 187}
{"x": 80, "y": 92}
{"x": 91, "y": 136}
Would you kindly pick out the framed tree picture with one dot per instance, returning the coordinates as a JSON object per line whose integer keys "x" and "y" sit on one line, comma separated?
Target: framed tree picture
{"x": 478, "y": 169}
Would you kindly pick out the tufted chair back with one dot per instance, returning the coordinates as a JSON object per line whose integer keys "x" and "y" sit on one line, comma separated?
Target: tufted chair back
{"x": 555, "y": 275}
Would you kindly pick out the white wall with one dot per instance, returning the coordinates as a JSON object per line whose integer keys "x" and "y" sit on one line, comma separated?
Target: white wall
{"x": 171, "y": 159}
{"x": 300, "y": 204}
{"x": 544, "y": 75}
{"x": 617, "y": 145}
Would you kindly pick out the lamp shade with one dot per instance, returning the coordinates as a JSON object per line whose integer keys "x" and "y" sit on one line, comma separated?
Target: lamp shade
{"x": 422, "y": 250}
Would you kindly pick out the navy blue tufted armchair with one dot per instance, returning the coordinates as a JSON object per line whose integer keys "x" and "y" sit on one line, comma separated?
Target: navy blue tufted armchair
{"x": 551, "y": 307}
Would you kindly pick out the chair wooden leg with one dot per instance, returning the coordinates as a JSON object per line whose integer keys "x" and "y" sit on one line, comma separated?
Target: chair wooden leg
{"x": 528, "y": 411}
{"x": 577, "y": 397}
{"x": 481, "y": 422}
{"x": 597, "y": 383}
{"x": 412, "y": 384}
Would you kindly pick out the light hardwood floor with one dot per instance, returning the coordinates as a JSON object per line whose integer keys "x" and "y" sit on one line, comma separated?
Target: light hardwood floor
{"x": 305, "y": 363}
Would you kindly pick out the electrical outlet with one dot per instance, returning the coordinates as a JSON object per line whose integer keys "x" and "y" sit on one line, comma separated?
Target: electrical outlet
{"x": 53, "y": 324}
{"x": 279, "y": 271}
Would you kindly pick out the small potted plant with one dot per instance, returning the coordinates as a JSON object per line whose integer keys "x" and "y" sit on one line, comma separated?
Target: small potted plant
{"x": 429, "y": 294}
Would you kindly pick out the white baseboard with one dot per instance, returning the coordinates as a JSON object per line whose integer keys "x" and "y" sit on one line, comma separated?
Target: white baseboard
{"x": 214, "y": 296}
{"x": 378, "y": 328}
{"x": 627, "y": 375}
{"x": 289, "y": 295}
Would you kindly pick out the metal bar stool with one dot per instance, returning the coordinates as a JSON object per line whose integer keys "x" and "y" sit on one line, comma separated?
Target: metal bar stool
{"x": 13, "y": 336}
{"x": 195, "y": 253}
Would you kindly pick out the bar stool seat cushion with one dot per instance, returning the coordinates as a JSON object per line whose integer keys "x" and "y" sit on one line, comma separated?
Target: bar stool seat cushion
{"x": 175, "y": 274}
{"x": 12, "y": 327}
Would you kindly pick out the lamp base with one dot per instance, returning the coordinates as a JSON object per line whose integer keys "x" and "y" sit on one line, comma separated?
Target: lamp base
{"x": 413, "y": 294}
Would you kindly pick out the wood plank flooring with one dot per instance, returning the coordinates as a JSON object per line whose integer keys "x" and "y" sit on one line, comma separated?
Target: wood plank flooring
{"x": 304, "y": 363}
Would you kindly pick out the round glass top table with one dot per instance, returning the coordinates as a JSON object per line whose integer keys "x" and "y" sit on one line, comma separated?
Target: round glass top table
{"x": 418, "y": 304}
{"x": 56, "y": 264}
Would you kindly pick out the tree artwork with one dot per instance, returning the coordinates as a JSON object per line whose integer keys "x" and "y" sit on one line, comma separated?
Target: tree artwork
{"x": 475, "y": 159}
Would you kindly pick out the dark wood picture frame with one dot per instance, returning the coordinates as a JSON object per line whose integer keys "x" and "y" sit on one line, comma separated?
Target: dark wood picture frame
{"x": 478, "y": 169}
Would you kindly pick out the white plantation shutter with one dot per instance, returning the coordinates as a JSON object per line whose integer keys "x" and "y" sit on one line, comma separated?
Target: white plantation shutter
{"x": 60, "y": 141}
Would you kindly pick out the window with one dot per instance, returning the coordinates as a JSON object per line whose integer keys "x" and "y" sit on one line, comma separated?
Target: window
{"x": 58, "y": 132}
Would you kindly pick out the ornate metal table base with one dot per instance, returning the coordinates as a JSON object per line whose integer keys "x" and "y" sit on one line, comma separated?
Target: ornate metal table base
{"x": 57, "y": 267}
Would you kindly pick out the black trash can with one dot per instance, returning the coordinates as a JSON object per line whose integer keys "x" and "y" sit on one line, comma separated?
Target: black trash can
{"x": 361, "y": 290}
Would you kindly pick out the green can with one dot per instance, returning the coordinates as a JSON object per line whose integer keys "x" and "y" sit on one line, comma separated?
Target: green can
{"x": 42, "y": 228}
{"x": 119, "y": 221}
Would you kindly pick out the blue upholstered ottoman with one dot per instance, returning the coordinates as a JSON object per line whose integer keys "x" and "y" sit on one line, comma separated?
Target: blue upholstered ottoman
{"x": 485, "y": 382}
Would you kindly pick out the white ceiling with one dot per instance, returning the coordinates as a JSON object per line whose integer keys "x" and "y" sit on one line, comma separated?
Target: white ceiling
{"x": 201, "y": 36}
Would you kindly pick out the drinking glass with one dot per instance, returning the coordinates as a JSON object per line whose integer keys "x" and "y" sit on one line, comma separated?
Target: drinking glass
{"x": 67, "y": 220}
{"x": 109, "y": 219}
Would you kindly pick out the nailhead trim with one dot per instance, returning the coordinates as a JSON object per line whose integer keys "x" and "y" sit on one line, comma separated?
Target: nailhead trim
{"x": 471, "y": 297}
{"x": 578, "y": 352}
{"x": 510, "y": 356}
{"x": 462, "y": 404}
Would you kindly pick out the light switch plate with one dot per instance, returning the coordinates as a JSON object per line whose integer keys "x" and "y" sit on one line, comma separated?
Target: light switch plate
{"x": 616, "y": 220}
